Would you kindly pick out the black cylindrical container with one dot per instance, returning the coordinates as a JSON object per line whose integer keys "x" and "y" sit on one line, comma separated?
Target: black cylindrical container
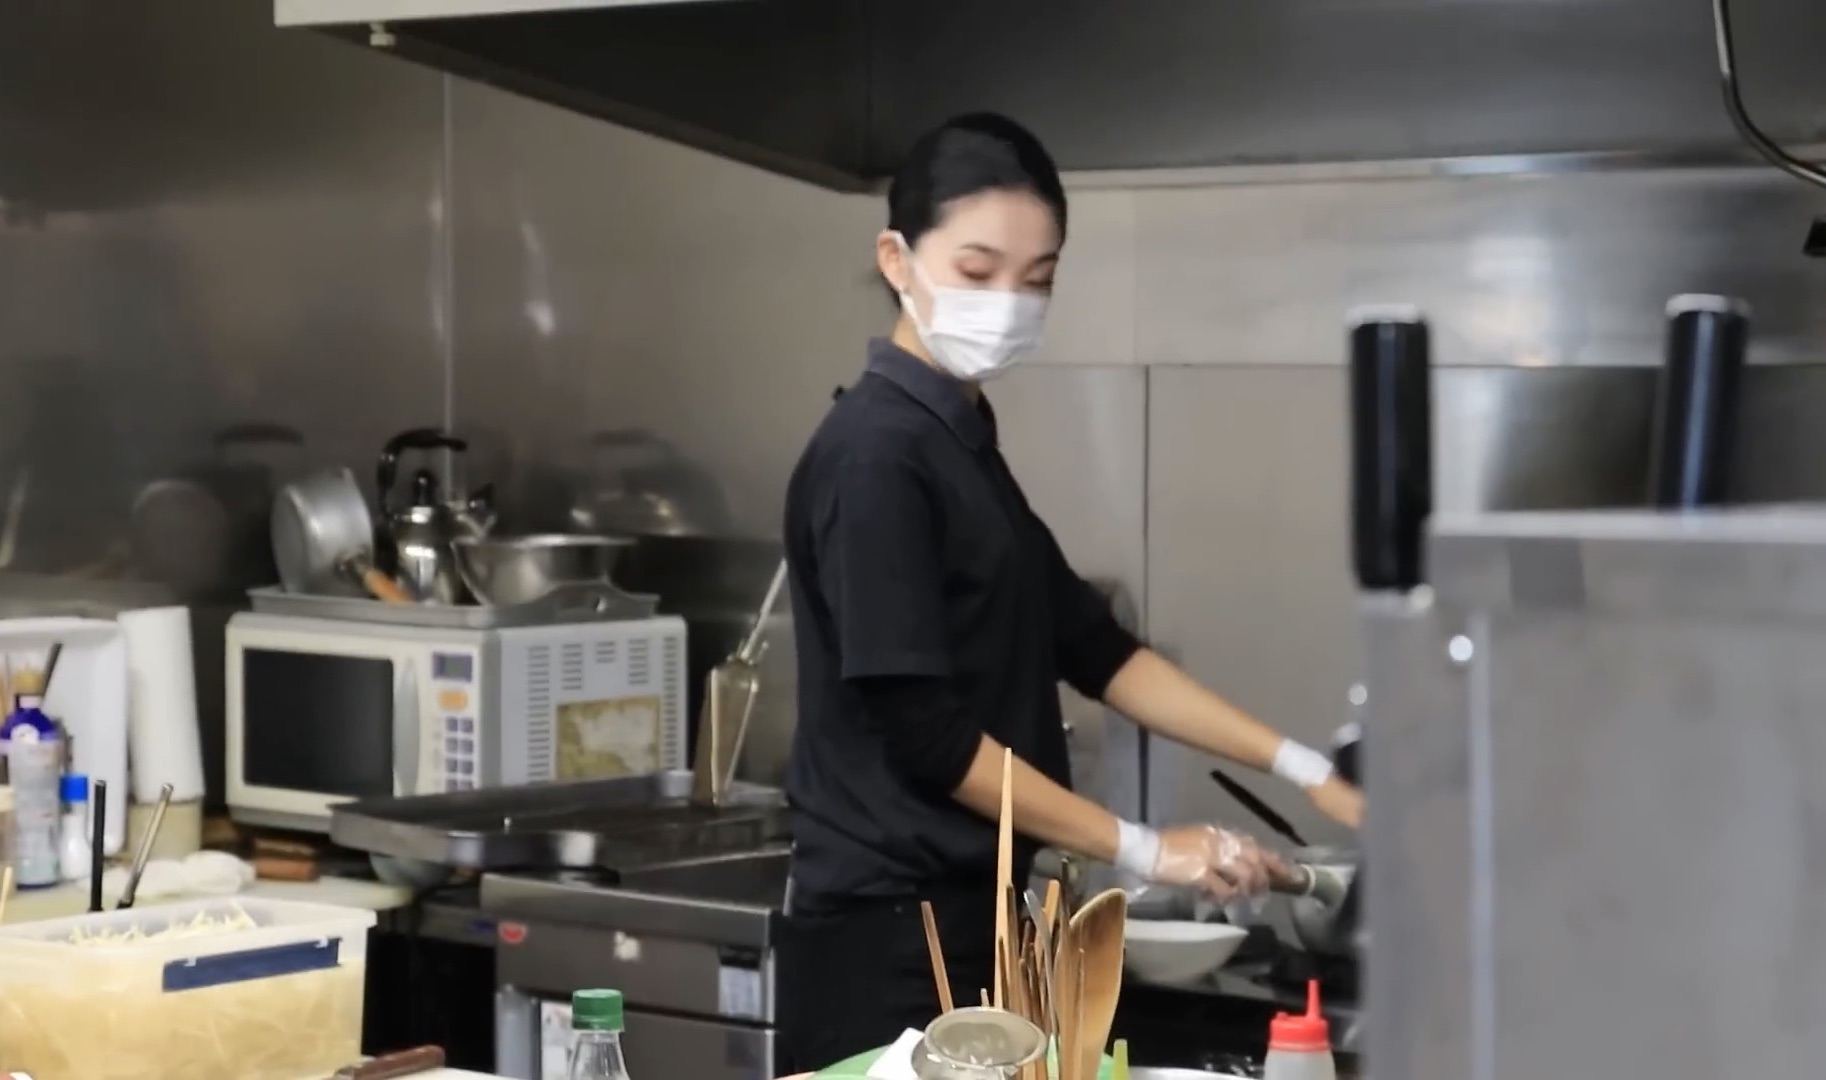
{"x": 1391, "y": 420}
{"x": 1696, "y": 402}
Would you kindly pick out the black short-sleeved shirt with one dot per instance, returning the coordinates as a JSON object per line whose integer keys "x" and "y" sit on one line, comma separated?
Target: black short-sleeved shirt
{"x": 912, "y": 552}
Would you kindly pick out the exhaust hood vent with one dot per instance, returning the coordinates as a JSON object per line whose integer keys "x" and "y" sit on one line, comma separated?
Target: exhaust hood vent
{"x": 834, "y": 91}
{"x": 336, "y": 12}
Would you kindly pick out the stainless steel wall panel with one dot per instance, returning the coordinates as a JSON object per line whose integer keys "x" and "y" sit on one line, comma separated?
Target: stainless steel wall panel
{"x": 1092, "y": 316}
{"x": 1509, "y": 438}
{"x": 1248, "y": 568}
{"x": 607, "y": 280}
{"x": 1780, "y": 448}
{"x": 1525, "y": 271}
{"x": 206, "y": 222}
{"x": 1248, "y": 572}
{"x": 610, "y": 280}
{"x": 1076, "y": 438}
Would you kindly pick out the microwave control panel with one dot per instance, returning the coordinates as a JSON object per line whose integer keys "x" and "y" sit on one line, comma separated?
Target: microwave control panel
{"x": 456, "y": 699}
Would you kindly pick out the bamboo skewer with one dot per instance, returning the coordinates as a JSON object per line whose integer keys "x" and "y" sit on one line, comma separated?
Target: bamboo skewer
{"x": 937, "y": 953}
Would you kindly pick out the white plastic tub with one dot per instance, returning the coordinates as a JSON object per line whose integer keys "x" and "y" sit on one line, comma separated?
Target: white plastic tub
{"x": 242, "y": 989}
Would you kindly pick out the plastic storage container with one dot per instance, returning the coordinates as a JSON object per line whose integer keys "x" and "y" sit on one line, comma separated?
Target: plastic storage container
{"x": 230, "y": 989}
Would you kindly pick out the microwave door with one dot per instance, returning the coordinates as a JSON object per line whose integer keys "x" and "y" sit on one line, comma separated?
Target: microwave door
{"x": 315, "y": 729}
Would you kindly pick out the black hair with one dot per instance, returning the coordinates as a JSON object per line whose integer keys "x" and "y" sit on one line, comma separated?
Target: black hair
{"x": 966, "y": 155}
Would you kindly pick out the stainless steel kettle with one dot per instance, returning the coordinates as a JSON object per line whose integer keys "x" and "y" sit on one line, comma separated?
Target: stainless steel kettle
{"x": 418, "y": 549}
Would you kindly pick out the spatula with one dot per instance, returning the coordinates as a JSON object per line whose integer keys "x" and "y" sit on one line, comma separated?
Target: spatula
{"x": 1097, "y": 929}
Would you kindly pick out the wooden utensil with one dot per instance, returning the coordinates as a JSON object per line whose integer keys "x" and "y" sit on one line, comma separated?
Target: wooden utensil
{"x": 1069, "y": 980}
{"x": 6, "y": 889}
{"x": 1098, "y": 930}
{"x": 1050, "y": 909}
{"x": 1004, "y": 877}
{"x": 937, "y": 953}
{"x": 421, "y": 1059}
{"x": 358, "y": 568}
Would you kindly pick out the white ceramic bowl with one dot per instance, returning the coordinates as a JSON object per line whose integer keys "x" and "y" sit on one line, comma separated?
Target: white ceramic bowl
{"x": 1173, "y": 952}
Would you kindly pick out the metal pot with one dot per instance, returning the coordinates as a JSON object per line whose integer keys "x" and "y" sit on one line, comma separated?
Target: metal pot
{"x": 1324, "y": 916}
{"x": 318, "y": 524}
{"x": 503, "y": 571}
{"x": 1322, "y": 902}
{"x": 641, "y": 486}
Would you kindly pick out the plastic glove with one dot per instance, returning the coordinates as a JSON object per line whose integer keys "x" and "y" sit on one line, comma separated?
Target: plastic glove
{"x": 1220, "y": 862}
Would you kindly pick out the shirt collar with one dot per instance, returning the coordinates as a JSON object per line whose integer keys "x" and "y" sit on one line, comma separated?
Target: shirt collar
{"x": 973, "y": 422}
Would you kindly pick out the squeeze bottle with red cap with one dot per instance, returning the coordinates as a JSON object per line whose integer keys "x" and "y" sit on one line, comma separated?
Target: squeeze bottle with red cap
{"x": 1299, "y": 1047}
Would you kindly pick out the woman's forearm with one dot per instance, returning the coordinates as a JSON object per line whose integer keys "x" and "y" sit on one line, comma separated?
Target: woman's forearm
{"x": 1156, "y": 694}
{"x": 1043, "y": 809}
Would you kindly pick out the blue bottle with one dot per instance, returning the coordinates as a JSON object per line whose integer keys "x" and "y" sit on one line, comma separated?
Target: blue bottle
{"x": 33, "y": 744}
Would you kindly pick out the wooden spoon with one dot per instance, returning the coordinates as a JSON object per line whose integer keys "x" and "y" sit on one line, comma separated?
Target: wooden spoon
{"x": 1068, "y": 984}
{"x": 1098, "y": 930}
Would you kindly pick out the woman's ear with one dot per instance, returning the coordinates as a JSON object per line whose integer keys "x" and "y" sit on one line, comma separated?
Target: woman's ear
{"x": 891, "y": 260}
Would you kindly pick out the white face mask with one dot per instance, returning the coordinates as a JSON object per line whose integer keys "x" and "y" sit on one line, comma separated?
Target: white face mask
{"x": 975, "y": 334}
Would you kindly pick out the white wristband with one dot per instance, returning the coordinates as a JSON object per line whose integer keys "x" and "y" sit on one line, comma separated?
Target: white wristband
{"x": 1137, "y": 849}
{"x": 1301, "y": 765}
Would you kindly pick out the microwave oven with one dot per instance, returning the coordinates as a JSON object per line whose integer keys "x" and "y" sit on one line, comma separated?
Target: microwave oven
{"x": 323, "y": 711}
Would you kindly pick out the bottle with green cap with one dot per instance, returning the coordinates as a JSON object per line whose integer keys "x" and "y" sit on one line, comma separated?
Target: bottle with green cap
{"x": 596, "y": 1036}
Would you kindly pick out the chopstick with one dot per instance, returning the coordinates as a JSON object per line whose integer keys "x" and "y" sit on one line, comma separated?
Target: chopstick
{"x": 938, "y": 957}
{"x": 6, "y": 888}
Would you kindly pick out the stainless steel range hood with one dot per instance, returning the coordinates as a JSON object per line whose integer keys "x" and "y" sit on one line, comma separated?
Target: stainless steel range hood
{"x": 339, "y": 12}
{"x": 833, "y": 91}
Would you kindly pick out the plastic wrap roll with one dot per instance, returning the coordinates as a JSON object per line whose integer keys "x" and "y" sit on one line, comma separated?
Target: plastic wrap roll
{"x": 163, "y": 742}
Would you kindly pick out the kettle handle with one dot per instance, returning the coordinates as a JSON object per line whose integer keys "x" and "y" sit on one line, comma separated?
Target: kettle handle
{"x": 413, "y": 439}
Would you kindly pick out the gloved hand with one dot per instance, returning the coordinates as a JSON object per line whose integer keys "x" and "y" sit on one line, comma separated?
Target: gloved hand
{"x": 1218, "y": 861}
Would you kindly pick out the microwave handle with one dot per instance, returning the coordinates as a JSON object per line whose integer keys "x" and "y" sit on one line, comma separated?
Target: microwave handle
{"x": 406, "y": 749}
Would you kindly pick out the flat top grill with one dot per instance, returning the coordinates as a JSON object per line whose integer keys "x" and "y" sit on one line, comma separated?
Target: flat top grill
{"x": 601, "y": 825}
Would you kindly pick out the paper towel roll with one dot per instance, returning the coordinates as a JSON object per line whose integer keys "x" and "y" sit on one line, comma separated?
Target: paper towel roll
{"x": 162, "y": 704}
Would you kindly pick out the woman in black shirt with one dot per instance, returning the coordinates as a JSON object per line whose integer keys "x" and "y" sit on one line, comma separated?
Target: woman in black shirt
{"x": 935, "y": 616}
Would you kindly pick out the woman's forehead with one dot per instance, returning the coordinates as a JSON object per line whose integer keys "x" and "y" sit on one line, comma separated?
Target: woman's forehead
{"x": 1011, "y": 221}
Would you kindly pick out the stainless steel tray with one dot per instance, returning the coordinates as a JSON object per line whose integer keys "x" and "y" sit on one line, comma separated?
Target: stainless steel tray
{"x": 568, "y": 604}
{"x": 611, "y": 825}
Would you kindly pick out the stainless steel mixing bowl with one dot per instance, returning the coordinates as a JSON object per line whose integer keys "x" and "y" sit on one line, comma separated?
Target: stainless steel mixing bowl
{"x": 507, "y": 570}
